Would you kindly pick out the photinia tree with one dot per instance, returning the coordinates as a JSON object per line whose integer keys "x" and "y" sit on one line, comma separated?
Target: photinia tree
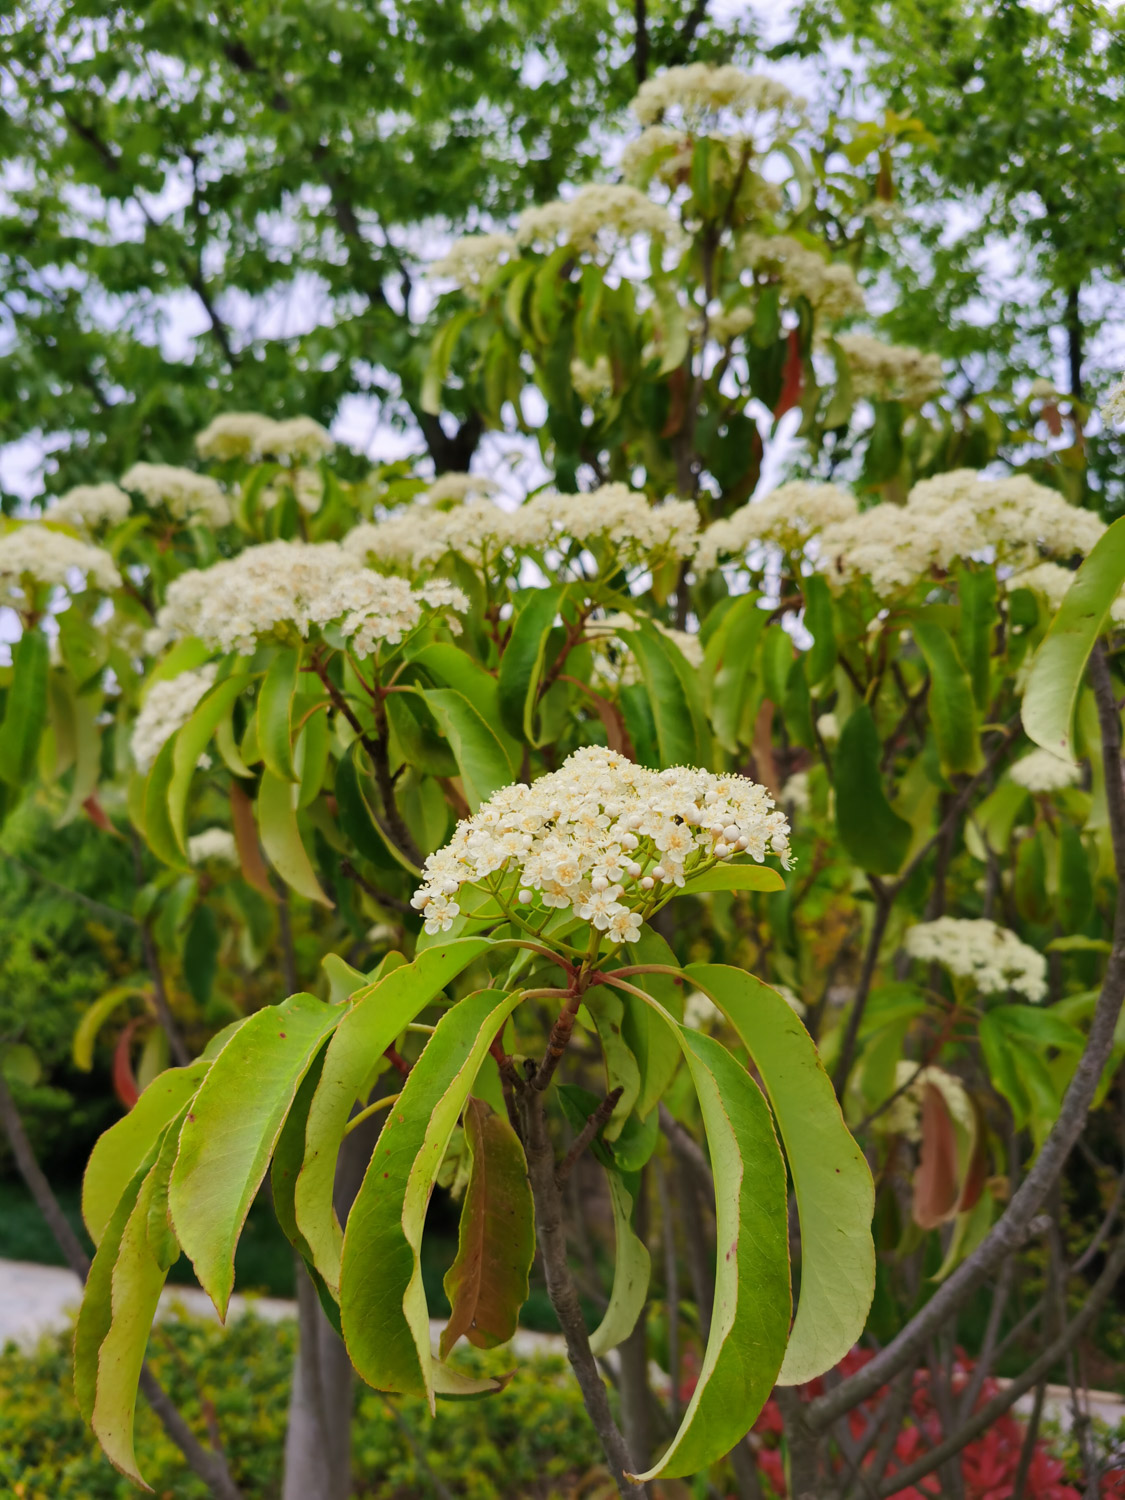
{"x": 645, "y": 842}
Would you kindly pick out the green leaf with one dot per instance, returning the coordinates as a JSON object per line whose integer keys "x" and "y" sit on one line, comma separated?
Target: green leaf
{"x": 119, "y": 1151}
{"x": 158, "y": 830}
{"x": 631, "y": 1271}
{"x": 481, "y": 759}
{"x": 86, "y": 1034}
{"x": 190, "y": 743}
{"x": 229, "y": 1136}
{"x": 384, "y": 1316}
{"x": 673, "y": 691}
{"x": 999, "y": 1057}
{"x": 441, "y": 353}
{"x": 137, "y": 1281}
{"x": 87, "y": 755}
{"x": 1060, "y": 662}
{"x": 356, "y": 817}
{"x": 487, "y": 1283}
{"x": 977, "y": 590}
{"x": 378, "y": 1014}
{"x": 870, "y": 829}
{"x": 950, "y": 700}
{"x": 25, "y": 710}
{"x": 821, "y": 625}
{"x": 1034, "y": 1024}
{"x": 727, "y": 877}
{"x": 728, "y": 668}
{"x": 201, "y": 953}
{"x": 448, "y": 666}
{"x": 645, "y": 1034}
{"x": 275, "y": 713}
{"x": 522, "y": 665}
{"x": 1076, "y": 887}
{"x": 281, "y": 837}
{"x": 750, "y": 1320}
{"x": 831, "y": 1179}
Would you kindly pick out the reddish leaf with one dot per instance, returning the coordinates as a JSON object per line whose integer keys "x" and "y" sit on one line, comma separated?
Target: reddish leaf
{"x": 124, "y": 1084}
{"x": 487, "y": 1283}
{"x": 793, "y": 379}
{"x": 246, "y": 842}
{"x": 677, "y": 403}
{"x": 935, "y": 1181}
{"x": 97, "y": 814}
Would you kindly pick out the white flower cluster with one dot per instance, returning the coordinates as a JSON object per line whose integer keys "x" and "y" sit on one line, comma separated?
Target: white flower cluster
{"x": 787, "y": 517}
{"x": 592, "y": 382}
{"x": 1044, "y": 771}
{"x": 658, "y": 152}
{"x": 600, "y": 216}
{"x": 188, "y": 495}
{"x": 454, "y": 487}
{"x": 286, "y": 586}
{"x": 891, "y": 372}
{"x": 168, "y": 706}
{"x": 603, "y": 836}
{"x": 305, "y": 485}
{"x": 479, "y": 531}
{"x": 614, "y": 664}
{"x": 1113, "y": 406}
{"x": 993, "y": 957}
{"x": 474, "y": 259}
{"x": 831, "y": 288}
{"x": 1052, "y": 583}
{"x": 212, "y": 845}
{"x": 960, "y": 515}
{"x": 699, "y": 91}
{"x": 89, "y": 506}
{"x": 246, "y": 435}
{"x": 35, "y": 554}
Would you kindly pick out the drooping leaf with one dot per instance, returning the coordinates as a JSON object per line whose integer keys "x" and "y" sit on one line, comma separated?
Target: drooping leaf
{"x": 976, "y": 588}
{"x": 728, "y": 668}
{"x": 1060, "y": 662}
{"x": 631, "y": 1271}
{"x": 190, "y": 743}
{"x": 201, "y": 953}
{"x": 831, "y": 1179}
{"x": 951, "y": 705}
{"x": 385, "y": 1317}
{"x": 250, "y": 860}
{"x": 821, "y": 625}
{"x": 95, "y": 1017}
{"x": 157, "y": 827}
{"x": 870, "y": 829}
{"x": 25, "y": 710}
{"x": 119, "y": 1151}
{"x": 281, "y": 837}
{"x": 356, "y": 815}
{"x": 481, "y": 758}
{"x": 229, "y": 1136}
{"x": 674, "y": 696}
{"x": 487, "y": 1282}
{"x": 275, "y": 713}
{"x": 936, "y": 1186}
{"x": 522, "y": 665}
{"x": 377, "y": 1015}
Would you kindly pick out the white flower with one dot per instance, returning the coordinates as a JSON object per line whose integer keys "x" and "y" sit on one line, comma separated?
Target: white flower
{"x": 891, "y": 372}
{"x": 592, "y": 382}
{"x": 600, "y": 216}
{"x": 246, "y": 435}
{"x": 1113, "y": 406}
{"x": 700, "y": 91}
{"x": 657, "y": 152}
{"x": 265, "y": 589}
{"x": 1043, "y": 771}
{"x": 89, "y": 506}
{"x": 614, "y": 663}
{"x": 215, "y": 844}
{"x": 560, "y": 836}
{"x": 474, "y": 259}
{"x": 828, "y": 727}
{"x": 992, "y": 957}
{"x": 830, "y": 288}
{"x": 188, "y": 495}
{"x": 787, "y": 517}
{"x": 34, "y": 553}
{"x": 458, "y": 487}
{"x": 700, "y": 1011}
{"x": 795, "y": 793}
{"x": 168, "y": 706}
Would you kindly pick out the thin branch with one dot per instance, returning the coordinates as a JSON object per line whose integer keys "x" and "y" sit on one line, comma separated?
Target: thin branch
{"x": 594, "y": 1122}
{"x": 884, "y": 900}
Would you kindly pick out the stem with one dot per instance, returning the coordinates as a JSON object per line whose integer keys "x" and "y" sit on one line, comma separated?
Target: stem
{"x": 551, "y": 1234}
{"x": 594, "y": 1122}
{"x": 884, "y": 900}
{"x": 210, "y": 1466}
{"x": 365, "y": 1114}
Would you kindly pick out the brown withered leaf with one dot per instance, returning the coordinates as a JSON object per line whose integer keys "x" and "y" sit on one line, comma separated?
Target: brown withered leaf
{"x": 487, "y": 1283}
{"x": 936, "y": 1189}
{"x": 254, "y": 870}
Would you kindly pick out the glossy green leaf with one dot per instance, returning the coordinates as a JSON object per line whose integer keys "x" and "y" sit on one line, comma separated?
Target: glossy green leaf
{"x": 1060, "y": 663}
{"x": 158, "y": 830}
{"x": 119, "y": 1151}
{"x": 631, "y": 1271}
{"x": 950, "y": 700}
{"x": 229, "y": 1136}
{"x": 378, "y": 1014}
{"x": 449, "y": 666}
{"x": 311, "y": 753}
{"x": 200, "y": 956}
{"x": 25, "y": 710}
{"x": 750, "y": 1319}
{"x": 730, "y": 877}
{"x": 87, "y": 755}
{"x": 729, "y": 671}
{"x": 1076, "y": 886}
{"x": 487, "y": 1283}
{"x": 821, "y": 625}
{"x": 190, "y": 743}
{"x": 523, "y": 662}
{"x": 385, "y": 1317}
{"x": 355, "y": 813}
{"x": 870, "y": 829}
{"x": 645, "y": 1033}
{"x": 835, "y": 1196}
{"x": 976, "y": 588}
{"x": 481, "y": 758}
{"x": 281, "y": 837}
{"x": 275, "y": 713}
{"x": 674, "y": 695}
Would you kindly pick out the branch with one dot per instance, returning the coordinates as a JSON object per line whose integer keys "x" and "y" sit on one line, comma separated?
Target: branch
{"x": 884, "y": 901}
{"x": 687, "y": 33}
{"x": 1009, "y": 1231}
{"x": 594, "y": 1122}
{"x": 641, "y": 42}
